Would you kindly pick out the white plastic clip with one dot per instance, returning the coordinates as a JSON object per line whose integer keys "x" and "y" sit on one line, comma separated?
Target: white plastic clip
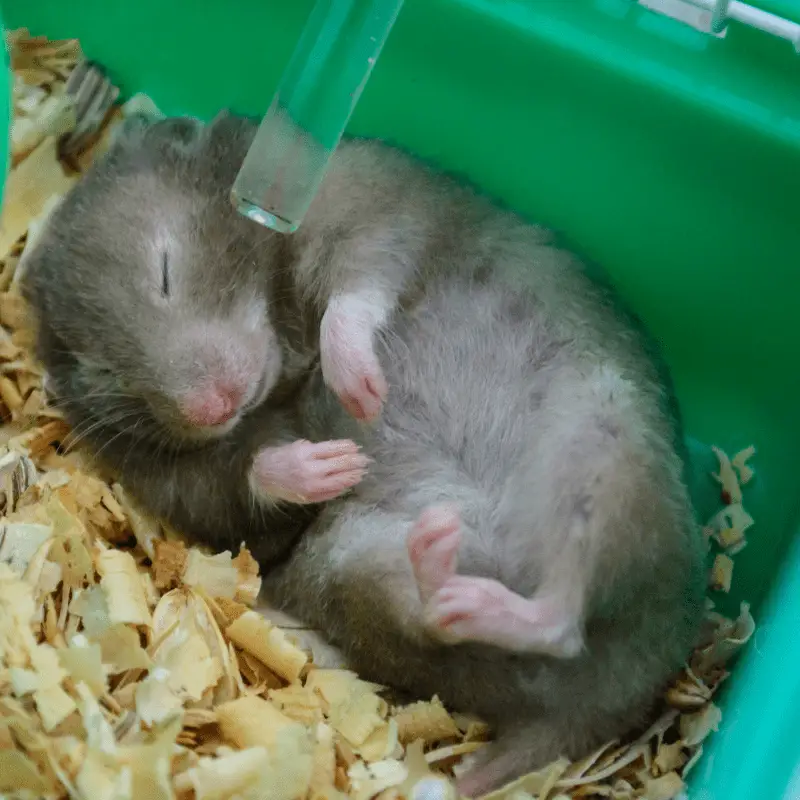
{"x": 769, "y": 23}
{"x": 712, "y": 16}
{"x": 698, "y": 14}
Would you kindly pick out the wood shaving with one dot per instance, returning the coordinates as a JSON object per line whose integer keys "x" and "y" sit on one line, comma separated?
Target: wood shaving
{"x": 41, "y": 106}
{"x": 739, "y": 463}
{"x": 727, "y": 528}
{"x": 429, "y": 722}
{"x": 727, "y": 478}
{"x": 143, "y": 670}
{"x": 721, "y": 573}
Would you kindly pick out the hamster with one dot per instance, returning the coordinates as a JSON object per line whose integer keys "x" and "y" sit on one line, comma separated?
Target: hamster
{"x": 522, "y": 542}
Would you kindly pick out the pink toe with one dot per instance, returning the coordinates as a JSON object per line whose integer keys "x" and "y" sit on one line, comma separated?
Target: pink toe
{"x": 376, "y": 385}
{"x": 444, "y": 515}
{"x": 435, "y": 544}
{"x": 340, "y": 447}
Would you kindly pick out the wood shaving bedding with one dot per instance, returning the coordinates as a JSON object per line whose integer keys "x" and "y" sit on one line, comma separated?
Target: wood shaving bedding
{"x": 134, "y": 665}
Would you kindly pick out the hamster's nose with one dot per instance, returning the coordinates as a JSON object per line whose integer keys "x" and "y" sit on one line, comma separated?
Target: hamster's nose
{"x": 211, "y": 405}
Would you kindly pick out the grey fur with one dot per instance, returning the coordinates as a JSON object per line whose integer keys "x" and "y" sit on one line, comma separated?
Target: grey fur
{"x": 517, "y": 389}
{"x": 553, "y": 444}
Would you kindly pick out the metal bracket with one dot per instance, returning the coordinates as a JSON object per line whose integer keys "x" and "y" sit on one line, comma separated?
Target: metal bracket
{"x": 712, "y": 16}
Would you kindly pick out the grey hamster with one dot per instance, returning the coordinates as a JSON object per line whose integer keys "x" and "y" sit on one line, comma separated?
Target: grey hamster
{"x": 522, "y": 543}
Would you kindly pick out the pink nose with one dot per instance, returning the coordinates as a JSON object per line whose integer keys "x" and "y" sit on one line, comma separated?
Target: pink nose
{"x": 211, "y": 405}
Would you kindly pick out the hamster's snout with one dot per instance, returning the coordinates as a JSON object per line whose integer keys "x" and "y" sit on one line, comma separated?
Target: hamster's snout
{"x": 215, "y": 373}
{"x": 212, "y": 404}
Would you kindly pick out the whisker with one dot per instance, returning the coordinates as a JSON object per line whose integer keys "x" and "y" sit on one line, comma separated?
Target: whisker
{"x": 124, "y": 431}
{"x": 80, "y": 433}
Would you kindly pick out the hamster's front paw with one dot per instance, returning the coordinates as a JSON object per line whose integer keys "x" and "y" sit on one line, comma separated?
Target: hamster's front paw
{"x": 306, "y": 472}
{"x": 349, "y": 364}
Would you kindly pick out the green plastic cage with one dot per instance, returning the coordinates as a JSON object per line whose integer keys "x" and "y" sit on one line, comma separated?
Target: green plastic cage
{"x": 666, "y": 150}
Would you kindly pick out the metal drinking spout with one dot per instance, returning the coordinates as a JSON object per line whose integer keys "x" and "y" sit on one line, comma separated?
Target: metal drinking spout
{"x": 316, "y": 96}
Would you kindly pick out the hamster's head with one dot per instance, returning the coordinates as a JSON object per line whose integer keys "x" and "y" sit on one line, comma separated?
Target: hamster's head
{"x": 151, "y": 292}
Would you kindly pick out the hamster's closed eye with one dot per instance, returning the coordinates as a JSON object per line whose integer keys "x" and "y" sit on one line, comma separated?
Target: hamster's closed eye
{"x": 165, "y": 279}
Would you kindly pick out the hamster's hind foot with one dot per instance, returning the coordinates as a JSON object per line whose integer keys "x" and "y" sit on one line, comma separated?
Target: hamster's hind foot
{"x": 461, "y": 608}
{"x": 473, "y": 609}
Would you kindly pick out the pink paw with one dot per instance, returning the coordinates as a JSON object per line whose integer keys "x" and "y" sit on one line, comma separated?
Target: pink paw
{"x": 433, "y": 548}
{"x": 482, "y": 610}
{"x": 349, "y": 364}
{"x": 305, "y": 472}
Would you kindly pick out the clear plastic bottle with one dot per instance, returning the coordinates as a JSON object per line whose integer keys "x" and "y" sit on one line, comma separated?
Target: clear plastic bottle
{"x": 305, "y": 122}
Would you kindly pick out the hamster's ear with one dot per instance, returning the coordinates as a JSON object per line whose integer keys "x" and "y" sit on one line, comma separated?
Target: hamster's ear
{"x": 180, "y": 132}
{"x": 227, "y": 139}
{"x": 164, "y": 133}
{"x": 227, "y": 129}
